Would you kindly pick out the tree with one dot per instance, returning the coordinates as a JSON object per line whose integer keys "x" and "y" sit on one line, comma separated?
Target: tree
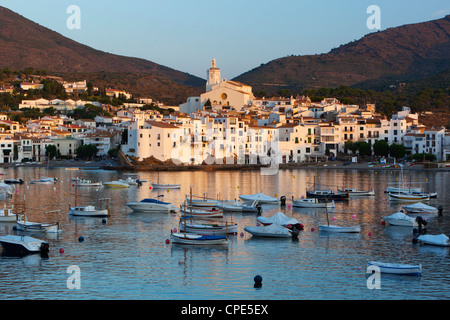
{"x": 381, "y": 148}
{"x": 364, "y": 149}
{"x": 87, "y": 151}
{"x": 397, "y": 150}
{"x": 51, "y": 151}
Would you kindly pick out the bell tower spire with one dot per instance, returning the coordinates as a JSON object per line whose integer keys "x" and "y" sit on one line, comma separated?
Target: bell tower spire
{"x": 213, "y": 75}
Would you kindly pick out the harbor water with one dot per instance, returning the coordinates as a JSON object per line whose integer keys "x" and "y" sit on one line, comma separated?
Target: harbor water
{"x": 126, "y": 256}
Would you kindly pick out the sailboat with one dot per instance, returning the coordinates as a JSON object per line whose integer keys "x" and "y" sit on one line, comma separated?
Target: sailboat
{"x": 339, "y": 229}
{"x": 326, "y": 194}
{"x": 407, "y": 196}
{"x": 89, "y": 210}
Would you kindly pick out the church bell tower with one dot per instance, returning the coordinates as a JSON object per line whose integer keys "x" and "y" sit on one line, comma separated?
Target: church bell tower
{"x": 213, "y": 75}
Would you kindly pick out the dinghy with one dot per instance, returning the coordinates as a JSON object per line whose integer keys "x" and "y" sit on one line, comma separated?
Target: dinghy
{"x": 6, "y": 215}
{"x": 237, "y": 206}
{"x": 409, "y": 196}
{"x": 435, "y": 240}
{"x": 401, "y": 219}
{"x": 165, "y": 186}
{"x": 279, "y": 218}
{"x": 88, "y": 183}
{"x": 88, "y": 211}
{"x": 354, "y": 192}
{"x": 313, "y": 203}
{"x": 273, "y": 230}
{"x": 116, "y": 184}
{"x": 397, "y": 268}
{"x": 208, "y": 228}
{"x": 197, "y": 239}
{"x": 23, "y": 245}
{"x": 420, "y": 207}
{"x": 22, "y": 224}
{"x": 339, "y": 229}
{"x": 260, "y": 197}
{"x": 152, "y": 205}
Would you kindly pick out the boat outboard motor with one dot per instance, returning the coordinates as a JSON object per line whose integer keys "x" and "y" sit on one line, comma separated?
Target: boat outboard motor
{"x": 283, "y": 201}
{"x": 440, "y": 209}
{"x": 421, "y": 222}
{"x": 258, "y": 207}
{"x": 44, "y": 249}
{"x": 139, "y": 182}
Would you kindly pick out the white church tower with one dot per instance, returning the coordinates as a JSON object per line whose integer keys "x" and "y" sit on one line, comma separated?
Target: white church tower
{"x": 213, "y": 75}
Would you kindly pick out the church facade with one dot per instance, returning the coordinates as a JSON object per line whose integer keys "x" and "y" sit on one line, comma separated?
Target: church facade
{"x": 220, "y": 93}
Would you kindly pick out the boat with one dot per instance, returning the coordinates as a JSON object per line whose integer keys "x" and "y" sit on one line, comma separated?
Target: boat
{"x": 23, "y": 245}
{"x": 130, "y": 181}
{"x": 339, "y": 229}
{"x": 237, "y": 206}
{"x": 87, "y": 183}
{"x": 327, "y": 194}
{"x": 200, "y": 202}
{"x": 401, "y": 219}
{"x": 22, "y": 224}
{"x": 436, "y": 240}
{"x": 260, "y": 197}
{"x": 409, "y": 197}
{"x": 397, "y": 268}
{"x": 6, "y": 215}
{"x": 420, "y": 207}
{"x": 152, "y": 205}
{"x": 312, "y": 203}
{"x": 116, "y": 184}
{"x": 44, "y": 180}
{"x": 165, "y": 186}
{"x": 208, "y": 228}
{"x": 401, "y": 190}
{"x": 197, "y": 239}
{"x": 273, "y": 230}
{"x": 201, "y": 213}
{"x": 88, "y": 211}
{"x": 279, "y": 218}
{"x": 13, "y": 181}
{"x": 354, "y": 192}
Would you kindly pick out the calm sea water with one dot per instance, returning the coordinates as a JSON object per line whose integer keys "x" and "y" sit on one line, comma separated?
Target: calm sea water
{"x": 127, "y": 257}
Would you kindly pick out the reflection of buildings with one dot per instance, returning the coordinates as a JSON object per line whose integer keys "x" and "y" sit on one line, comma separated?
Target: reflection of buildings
{"x": 220, "y": 94}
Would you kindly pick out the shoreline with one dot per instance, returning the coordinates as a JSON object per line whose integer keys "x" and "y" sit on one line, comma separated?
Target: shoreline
{"x": 113, "y": 166}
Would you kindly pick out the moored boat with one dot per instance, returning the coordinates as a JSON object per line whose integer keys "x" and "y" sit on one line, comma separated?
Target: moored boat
{"x": 278, "y": 218}
{"x": 397, "y": 268}
{"x": 24, "y": 225}
{"x": 260, "y": 197}
{"x": 165, "y": 186}
{"x": 44, "y": 180}
{"x": 355, "y": 192}
{"x": 197, "y": 239}
{"x": 273, "y": 230}
{"x": 87, "y": 183}
{"x": 151, "y": 205}
{"x": 6, "y": 215}
{"x": 409, "y": 197}
{"x": 116, "y": 184}
{"x": 420, "y": 207}
{"x": 23, "y": 245}
{"x": 436, "y": 240}
{"x": 237, "y": 206}
{"x": 208, "y": 228}
{"x": 88, "y": 211}
{"x": 340, "y": 229}
{"x": 312, "y": 203}
{"x": 327, "y": 194}
{"x": 401, "y": 219}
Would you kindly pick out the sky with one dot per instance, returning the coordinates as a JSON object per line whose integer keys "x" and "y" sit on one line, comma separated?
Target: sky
{"x": 241, "y": 35}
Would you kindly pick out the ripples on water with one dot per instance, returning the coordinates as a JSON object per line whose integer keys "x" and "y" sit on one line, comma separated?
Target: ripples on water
{"x": 127, "y": 257}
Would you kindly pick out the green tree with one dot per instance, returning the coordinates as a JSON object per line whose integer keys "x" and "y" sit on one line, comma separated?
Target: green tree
{"x": 381, "y": 148}
{"x": 364, "y": 149}
{"x": 51, "y": 151}
{"x": 87, "y": 151}
{"x": 397, "y": 150}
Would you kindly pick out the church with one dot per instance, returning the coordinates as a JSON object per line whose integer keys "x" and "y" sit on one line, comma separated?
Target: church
{"x": 219, "y": 93}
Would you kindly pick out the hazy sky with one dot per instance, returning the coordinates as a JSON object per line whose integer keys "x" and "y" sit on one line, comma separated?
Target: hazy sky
{"x": 187, "y": 34}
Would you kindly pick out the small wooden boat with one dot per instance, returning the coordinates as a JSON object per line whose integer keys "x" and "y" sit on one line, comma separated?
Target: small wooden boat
{"x": 208, "y": 213}
{"x": 436, "y": 240}
{"x": 44, "y": 180}
{"x": 197, "y": 239}
{"x": 165, "y": 186}
{"x": 401, "y": 219}
{"x": 401, "y": 190}
{"x": 269, "y": 231}
{"x": 237, "y": 206}
{"x": 87, "y": 183}
{"x": 209, "y": 228}
{"x": 88, "y": 211}
{"x": 116, "y": 184}
{"x": 327, "y": 194}
{"x": 420, "y": 207}
{"x": 22, "y": 224}
{"x": 339, "y": 229}
{"x": 278, "y": 218}
{"x": 312, "y": 203}
{"x": 409, "y": 197}
{"x": 354, "y": 192}
{"x": 397, "y": 268}
{"x": 6, "y": 215}
{"x": 23, "y": 245}
{"x": 13, "y": 181}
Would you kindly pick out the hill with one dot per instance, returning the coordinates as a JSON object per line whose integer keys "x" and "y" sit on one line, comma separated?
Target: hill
{"x": 404, "y": 53}
{"x": 26, "y": 44}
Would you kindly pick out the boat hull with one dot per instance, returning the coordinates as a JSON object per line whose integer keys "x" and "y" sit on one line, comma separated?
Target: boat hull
{"x": 37, "y": 227}
{"x": 80, "y": 211}
{"x": 396, "y": 268}
{"x": 209, "y": 229}
{"x": 23, "y": 245}
{"x": 165, "y": 186}
{"x": 330, "y": 196}
{"x": 154, "y": 207}
{"x": 259, "y": 231}
{"x": 305, "y": 203}
{"x": 406, "y": 197}
{"x": 195, "y": 239}
{"x": 338, "y": 229}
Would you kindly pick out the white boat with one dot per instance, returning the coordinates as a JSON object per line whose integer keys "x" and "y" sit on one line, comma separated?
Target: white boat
{"x": 401, "y": 190}
{"x": 44, "y": 180}
{"x": 339, "y": 229}
{"x": 116, "y": 184}
{"x": 129, "y": 180}
{"x": 88, "y": 183}
{"x": 209, "y": 228}
{"x": 24, "y": 225}
{"x": 312, "y": 203}
{"x": 278, "y": 218}
{"x": 88, "y": 211}
{"x": 354, "y": 192}
{"x": 201, "y": 202}
{"x": 260, "y": 197}
{"x": 152, "y": 205}
{"x": 397, "y": 268}
{"x": 401, "y": 219}
{"x": 6, "y": 215}
{"x": 197, "y": 239}
{"x": 202, "y": 213}
{"x": 420, "y": 207}
{"x": 165, "y": 186}
{"x": 273, "y": 230}
{"x": 23, "y": 244}
{"x": 436, "y": 240}
{"x": 409, "y": 197}
{"x": 237, "y": 206}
